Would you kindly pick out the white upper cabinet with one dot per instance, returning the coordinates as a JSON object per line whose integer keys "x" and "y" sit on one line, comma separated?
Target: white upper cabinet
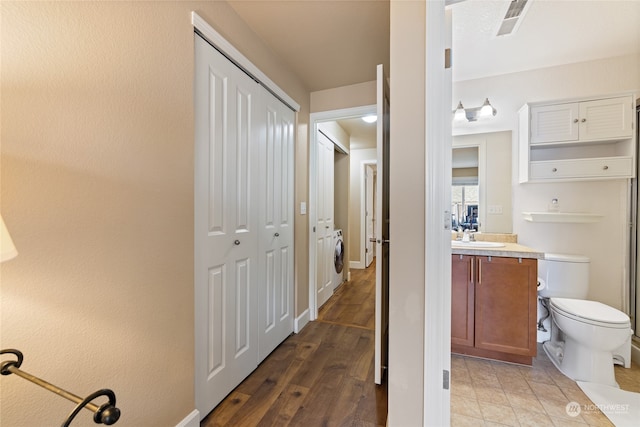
{"x": 578, "y": 139}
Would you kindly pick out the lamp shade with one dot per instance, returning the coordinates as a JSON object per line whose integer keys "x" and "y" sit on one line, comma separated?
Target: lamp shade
{"x": 7, "y": 249}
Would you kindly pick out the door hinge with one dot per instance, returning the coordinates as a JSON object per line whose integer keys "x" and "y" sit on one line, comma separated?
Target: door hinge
{"x": 445, "y": 379}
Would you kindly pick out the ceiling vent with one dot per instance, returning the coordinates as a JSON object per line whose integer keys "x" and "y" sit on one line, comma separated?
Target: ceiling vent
{"x": 513, "y": 17}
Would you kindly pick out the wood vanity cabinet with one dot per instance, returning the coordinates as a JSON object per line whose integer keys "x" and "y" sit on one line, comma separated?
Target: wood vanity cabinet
{"x": 494, "y": 307}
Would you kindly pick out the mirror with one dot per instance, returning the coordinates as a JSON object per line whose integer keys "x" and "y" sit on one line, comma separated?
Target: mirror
{"x": 481, "y": 182}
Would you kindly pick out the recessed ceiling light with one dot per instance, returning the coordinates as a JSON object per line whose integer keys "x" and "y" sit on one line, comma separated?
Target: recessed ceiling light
{"x": 370, "y": 118}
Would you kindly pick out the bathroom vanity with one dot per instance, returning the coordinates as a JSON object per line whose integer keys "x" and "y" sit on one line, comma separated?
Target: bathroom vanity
{"x": 494, "y": 302}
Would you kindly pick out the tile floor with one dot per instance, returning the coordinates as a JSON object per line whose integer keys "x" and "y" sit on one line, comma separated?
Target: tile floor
{"x": 491, "y": 393}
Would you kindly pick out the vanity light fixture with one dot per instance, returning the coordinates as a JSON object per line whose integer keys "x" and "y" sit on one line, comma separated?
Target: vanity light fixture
{"x": 486, "y": 110}
{"x": 371, "y": 118}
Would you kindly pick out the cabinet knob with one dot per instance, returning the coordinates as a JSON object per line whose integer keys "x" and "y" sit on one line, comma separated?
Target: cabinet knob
{"x": 277, "y": 235}
{"x": 236, "y": 242}
{"x": 554, "y": 170}
{"x": 605, "y": 167}
{"x": 583, "y": 120}
{"x": 575, "y": 120}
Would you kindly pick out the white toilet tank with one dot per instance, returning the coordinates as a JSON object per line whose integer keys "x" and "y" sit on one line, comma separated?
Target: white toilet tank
{"x": 563, "y": 276}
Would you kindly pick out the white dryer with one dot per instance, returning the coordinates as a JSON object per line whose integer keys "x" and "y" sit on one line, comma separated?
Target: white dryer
{"x": 338, "y": 258}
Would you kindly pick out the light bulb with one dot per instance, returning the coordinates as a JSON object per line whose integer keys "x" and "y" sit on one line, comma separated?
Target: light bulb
{"x": 459, "y": 114}
{"x": 487, "y": 109}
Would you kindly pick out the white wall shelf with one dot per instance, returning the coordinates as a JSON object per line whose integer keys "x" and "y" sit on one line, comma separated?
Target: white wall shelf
{"x": 570, "y": 217}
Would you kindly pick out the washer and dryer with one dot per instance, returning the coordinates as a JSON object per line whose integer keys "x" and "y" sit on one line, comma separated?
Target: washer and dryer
{"x": 338, "y": 258}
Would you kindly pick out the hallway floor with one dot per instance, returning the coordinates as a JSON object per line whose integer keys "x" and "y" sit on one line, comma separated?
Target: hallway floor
{"x": 322, "y": 376}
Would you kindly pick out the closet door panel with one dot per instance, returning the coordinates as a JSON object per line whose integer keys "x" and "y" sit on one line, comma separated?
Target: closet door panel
{"x": 276, "y": 227}
{"x": 225, "y": 234}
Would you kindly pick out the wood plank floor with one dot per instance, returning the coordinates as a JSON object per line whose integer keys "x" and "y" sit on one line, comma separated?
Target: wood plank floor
{"x": 322, "y": 376}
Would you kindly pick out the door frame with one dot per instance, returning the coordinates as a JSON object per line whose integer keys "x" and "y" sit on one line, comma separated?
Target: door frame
{"x": 314, "y": 119}
{"x": 437, "y": 239}
{"x": 363, "y": 209}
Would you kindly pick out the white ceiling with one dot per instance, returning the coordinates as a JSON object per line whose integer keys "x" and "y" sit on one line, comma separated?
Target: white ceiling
{"x": 552, "y": 32}
{"x": 333, "y": 43}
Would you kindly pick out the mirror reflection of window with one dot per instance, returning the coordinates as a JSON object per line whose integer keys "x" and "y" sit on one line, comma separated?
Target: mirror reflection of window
{"x": 464, "y": 207}
{"x": 465, "y": 190}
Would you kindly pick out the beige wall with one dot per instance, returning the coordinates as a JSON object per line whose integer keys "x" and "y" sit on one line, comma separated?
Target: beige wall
{"x": 97, "y": 191}
{"x": 357, "y": 95}
{"x": 407, "y": 214}
{"x": 603, "y": 242}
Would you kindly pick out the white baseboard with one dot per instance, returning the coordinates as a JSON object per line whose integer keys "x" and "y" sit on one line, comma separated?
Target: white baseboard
{"x": 357, "y": 264}
{"x": 191, "y": 420}
{"x": 301, "y": 321}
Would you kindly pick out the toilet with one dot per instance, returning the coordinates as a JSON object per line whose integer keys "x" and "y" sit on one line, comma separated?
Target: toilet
{"x": 587, "y": 337}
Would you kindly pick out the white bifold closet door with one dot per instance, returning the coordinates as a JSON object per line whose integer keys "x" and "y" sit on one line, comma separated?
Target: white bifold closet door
{"x": 243, "y": 225}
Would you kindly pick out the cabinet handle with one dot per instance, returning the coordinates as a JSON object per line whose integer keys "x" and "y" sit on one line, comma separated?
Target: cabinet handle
{"x": 479, "y": 271}
{"x": 583, "y": 120}
{"x": 575, "y": 120}
{"x": 471, "y": 270}
{"x": 554, "y": 170}
{"x": 605, "y": 167}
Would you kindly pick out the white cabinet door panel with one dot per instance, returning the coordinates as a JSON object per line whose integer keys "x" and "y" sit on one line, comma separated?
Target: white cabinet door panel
{"x": 606, "y": 118}
{"x": 554, "y": 123}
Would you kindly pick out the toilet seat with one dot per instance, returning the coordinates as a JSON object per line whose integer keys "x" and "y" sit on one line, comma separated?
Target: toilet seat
{"x": 591, "y": 312}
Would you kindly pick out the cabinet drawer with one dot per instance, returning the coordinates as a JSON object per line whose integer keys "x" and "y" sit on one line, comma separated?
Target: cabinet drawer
{"x": 603, "y": 167}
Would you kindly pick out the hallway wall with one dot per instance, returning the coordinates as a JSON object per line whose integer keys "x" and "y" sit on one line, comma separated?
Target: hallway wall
{"x": 97, "y": 192}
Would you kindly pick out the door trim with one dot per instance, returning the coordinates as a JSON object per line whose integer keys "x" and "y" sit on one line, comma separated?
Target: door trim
{"x": 314, "y": 119}
{"x": 241, "y": 61}
{"x": 362, "y": 263}
{"x": 437, "y": 295}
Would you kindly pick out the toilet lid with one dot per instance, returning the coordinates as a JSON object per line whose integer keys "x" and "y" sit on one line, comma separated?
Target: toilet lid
{"x": 590, "y": 310}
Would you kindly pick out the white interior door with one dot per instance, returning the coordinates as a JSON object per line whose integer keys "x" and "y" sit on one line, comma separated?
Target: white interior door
{"x": 324, "y": 227}
{"x": 225, "y": 227}
{"x": 382, "y": 228}
{"x": 370, "y": 235}
{"x": 275, "y": 293}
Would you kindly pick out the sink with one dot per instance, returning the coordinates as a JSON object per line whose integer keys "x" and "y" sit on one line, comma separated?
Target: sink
{"x": 460, "y": 244}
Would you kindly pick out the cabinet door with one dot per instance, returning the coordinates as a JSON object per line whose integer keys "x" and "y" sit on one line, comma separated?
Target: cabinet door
{"x": 462, "y": 299}
{"x": 606, "y": 119}
{"x": 554, "y": 123}
{"x": 505, "y": 305}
